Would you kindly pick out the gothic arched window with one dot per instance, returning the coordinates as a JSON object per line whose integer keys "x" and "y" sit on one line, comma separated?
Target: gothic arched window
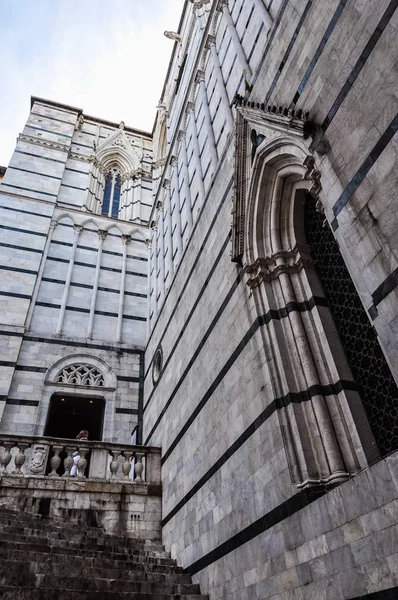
{"x": 111, "y": 201}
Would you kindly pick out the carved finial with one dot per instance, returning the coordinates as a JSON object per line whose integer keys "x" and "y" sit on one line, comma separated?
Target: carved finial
{"x": 121, "y": 125}
{"x": 172, "y": 35}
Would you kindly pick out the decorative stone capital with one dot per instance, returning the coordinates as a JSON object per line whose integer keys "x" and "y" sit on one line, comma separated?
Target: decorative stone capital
{"x": 77, "y": 229}
{"x": 221, "y": 5}
{"x": 102, "y": 233}
{"x": 191, "y": 107}
{"x": 210, "y": 42}
{"x": 148, "y": 243}
{"x": 200, "y": 76}
{"x": 181, "y": 135}
{"x": 312, "y": 174}
{"x": 174, "y": 161}
{"x": 284, "y": 261}
{"x": 167, "y": 184}
{"x": 159, "y": 205}
{"x": 126, "y": 239}
{"x": 153, "y": 225}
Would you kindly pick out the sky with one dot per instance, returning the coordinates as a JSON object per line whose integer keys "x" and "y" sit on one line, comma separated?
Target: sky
{"x": 107, "y": 57}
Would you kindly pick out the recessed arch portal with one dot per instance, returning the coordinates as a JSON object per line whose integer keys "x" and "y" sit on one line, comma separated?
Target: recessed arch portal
{"x": 321, "y": 413}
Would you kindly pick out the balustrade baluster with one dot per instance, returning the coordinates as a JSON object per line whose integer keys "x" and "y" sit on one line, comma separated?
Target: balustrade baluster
{"x": 20, "y": 458}
{"x": 138, "y": 467}
{"x": 68, "y": 461}
{"x": 114, "y": 466}
{"x": 6, "y": 457}
{"x": 126, "y": 466}
{"x": 82, "y": 462}
{"x": 55, "y": 461}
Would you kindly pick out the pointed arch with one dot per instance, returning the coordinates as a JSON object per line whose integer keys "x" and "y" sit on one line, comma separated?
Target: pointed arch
{"x": 326, "y": 433}
{"x": 65, "y": 217}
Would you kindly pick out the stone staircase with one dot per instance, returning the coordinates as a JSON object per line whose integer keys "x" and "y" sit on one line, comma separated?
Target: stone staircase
{"x": 44, "y": 559}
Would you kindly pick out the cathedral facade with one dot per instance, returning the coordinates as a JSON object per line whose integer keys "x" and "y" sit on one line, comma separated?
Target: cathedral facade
{"x": 228, "y": 285}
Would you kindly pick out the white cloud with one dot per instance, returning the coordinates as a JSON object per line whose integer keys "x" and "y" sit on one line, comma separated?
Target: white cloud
{"x": 110, "y": 59}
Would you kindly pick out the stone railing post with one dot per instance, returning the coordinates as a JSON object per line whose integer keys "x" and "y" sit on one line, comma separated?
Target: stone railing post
{"x": 153, "y": 467}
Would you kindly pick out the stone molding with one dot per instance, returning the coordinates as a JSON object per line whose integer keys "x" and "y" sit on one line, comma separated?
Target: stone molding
{"x": 41, "y": 142}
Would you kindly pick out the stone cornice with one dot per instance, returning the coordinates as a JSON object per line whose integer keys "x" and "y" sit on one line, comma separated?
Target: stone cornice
{"x": 41, "y": 142}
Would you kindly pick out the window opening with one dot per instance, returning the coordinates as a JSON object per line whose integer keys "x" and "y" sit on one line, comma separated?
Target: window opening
{"x": 112, "y": 191}
{"x": 368, "y": 364}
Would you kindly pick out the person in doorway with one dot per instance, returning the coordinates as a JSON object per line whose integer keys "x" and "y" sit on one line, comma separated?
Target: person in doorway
{"x": 82, "y": 435}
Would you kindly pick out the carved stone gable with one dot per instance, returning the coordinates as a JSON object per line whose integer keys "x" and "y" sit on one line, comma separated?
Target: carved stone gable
{"x": 256, "y": 124}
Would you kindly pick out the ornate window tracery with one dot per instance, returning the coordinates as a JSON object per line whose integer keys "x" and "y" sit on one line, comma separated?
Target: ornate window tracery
{"x": 81, "y": 374}
{"x": 111, "y": 200}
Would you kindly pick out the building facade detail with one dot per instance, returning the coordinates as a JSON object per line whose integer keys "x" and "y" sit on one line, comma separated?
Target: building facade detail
{"x": 81, "y": 374}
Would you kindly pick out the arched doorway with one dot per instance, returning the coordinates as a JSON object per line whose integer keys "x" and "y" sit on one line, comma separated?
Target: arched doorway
{"x": 372, "y": 375}
{"x": 68, "y": 415}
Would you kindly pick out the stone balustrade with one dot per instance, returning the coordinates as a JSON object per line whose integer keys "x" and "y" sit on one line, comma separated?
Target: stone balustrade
{"x": 33, "y": 456}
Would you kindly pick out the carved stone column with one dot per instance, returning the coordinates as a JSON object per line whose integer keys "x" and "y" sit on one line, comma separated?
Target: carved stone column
{"x": 136, "y": 197}
{"x": 211, "y": 45}
{"x": 185, "y": 173}
{"x": 40, "y": 274}
{"x": 77, "y": 229}
{"x": 125, "y": 240}
{"x": 154, "y": 227}
{"x": 169, "y": 236}
{"x": 148, "y": 243}
{"x": 266, "y": 17}
{"x": 161, "y": 249}
{"x": 177, "y": 210}
{"x": 224, "y": 8}
{"x": 101, "y": 237}
{"x": 196, "y": 152}
{"x": 202, "y": 94}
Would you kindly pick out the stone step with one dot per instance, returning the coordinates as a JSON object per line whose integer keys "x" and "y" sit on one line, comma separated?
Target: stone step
{"x": 13, "y": 576}
{"x": 80, "y": 569}
{"x": 26, "y": 556}
{"x": 29, "y": 593}
{"x": 80, "y": 542}
{"x": 123, "y": 554}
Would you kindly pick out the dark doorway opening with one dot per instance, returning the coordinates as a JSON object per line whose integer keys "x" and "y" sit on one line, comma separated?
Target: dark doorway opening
{"x": 68, "y": 415}
{"x": 365, "y": 357}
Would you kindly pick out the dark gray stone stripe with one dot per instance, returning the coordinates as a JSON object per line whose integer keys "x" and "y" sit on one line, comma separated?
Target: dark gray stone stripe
{"x": 48, "y": 131}
{"x": 76, "y": 344}
{"x": 26, "y": 212}
{"x": 52, "y": 119}
{"x": 17, "y": 402}
{"x": 74, "y": 187}
{"x": 288, "y": 50}
{"x": 382, "y": 24}
{"x": 62, "y": 162}
{"x": 290, "y": 398}
{"x": 364, "y": 169}
{"x": 127, "y": 411}
{"x": 31, "y": 369}
{"x": 318, "y": 52}
{"x": 388, "y": 285}
{"x": 18, "y": 270}
{"x": 270, "y": 519}
{"x": 87, "y": 311}
{"x": 34, "y": 173}
{"x": 15, "y": 295}
{"x": 21, "y": 248}
{"x": 23, "y": 230}
{"x": 25, "y": 189}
